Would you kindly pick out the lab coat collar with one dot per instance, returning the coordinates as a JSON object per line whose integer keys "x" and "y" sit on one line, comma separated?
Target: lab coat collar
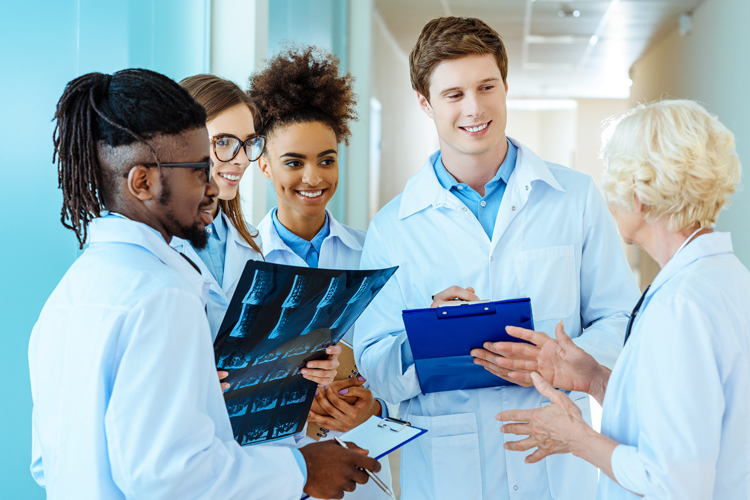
{"x": 424, "y": 189}
{"x": 272, "y": 241}
{"x": 123, "y": 230}
{"x": 705, "y": 245}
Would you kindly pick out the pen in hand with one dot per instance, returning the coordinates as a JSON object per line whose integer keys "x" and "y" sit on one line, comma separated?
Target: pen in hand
{"x": 370, "y": 473}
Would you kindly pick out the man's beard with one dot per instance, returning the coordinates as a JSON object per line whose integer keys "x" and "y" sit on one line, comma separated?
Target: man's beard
{"x": 192, "y": 233}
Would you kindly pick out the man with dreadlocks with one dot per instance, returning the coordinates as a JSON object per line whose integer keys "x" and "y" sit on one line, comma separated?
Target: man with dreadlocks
{"x": 126, "y": 399}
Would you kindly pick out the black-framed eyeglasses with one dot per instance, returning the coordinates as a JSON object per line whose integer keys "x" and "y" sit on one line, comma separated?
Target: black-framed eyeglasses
{"x": 635, "y": 312}
{"x": 207, "y": 165}
{"x": 227, "y": 147}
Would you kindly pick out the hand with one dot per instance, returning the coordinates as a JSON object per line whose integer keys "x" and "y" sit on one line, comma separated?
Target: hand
{"x": 338, "y": 386}
{"x": 551, "y": 429}
{"x": 513, "y": 361}
{"x": 560, "y": 361}
{"x": 453, "y": 293}
{"x": 331, "y": 411}
{"x": 324, "y": 371}
{"x": 222, "y": 375}
{"x": 332, "y": 469}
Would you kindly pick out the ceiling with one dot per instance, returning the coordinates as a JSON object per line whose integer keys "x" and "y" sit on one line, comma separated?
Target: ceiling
{"x": 585, "y": 53}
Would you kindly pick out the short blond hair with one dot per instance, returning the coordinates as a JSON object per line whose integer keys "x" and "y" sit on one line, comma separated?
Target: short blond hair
{"x": 678, "y": 159}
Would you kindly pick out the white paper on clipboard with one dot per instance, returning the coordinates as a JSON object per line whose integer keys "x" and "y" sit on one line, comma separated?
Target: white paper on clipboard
{"x": 381, "y": 436}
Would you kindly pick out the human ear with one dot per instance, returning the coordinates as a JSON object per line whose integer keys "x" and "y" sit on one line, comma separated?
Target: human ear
{"x": 638, "y": 204}
{"x": 424, "y": 103}
{"x": 140, "y": 182}
{"x": 265, "y": 167}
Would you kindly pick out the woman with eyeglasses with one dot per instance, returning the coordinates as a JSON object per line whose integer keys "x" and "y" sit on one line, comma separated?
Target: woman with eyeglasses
{"x": 306, "y": 108}
{"x": 231, "y": 240}
{"x": 676, "y": 406}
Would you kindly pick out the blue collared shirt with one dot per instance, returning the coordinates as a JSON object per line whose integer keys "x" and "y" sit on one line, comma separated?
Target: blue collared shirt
{"x": 309, "y": 251}
{"x": 215, "y": 252}
{"x": 485, "y": 208}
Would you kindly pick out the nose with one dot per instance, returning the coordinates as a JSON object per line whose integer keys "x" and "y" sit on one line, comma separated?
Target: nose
{"x": 311, "y": 176}
{"x": 241, "y": 160}
{"x": 472, "y": 105}
{"x": 212, "y": 188}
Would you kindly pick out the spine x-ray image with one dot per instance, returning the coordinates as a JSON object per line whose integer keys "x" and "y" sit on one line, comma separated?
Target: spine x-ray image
{"x": 280, "y": 318}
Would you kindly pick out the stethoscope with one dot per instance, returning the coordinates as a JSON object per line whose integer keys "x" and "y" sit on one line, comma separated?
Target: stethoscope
{"x": 643, "y": 296}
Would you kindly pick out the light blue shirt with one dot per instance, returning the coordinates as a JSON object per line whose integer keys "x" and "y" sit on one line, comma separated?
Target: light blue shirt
{"x": 126, "y": 399}
{"x": 554, "y": 241}
{"x": 214, "y": 253}
{"x": 678, "y": 398}
{"x": 485, "y": 208}
{"x": 309, "y": 251}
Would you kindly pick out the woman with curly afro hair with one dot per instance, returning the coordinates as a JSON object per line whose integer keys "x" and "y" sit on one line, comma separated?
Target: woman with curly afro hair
{"x": 304, "y": 110}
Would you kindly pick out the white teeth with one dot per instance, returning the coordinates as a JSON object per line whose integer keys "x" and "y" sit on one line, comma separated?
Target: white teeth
{"x": 230, "y": 176}
{"x": 310, "y": 194}
{"x": 477, "y": 129}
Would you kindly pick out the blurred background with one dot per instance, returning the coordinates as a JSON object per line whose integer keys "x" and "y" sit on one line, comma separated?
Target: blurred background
{"x": 573, "y": 65}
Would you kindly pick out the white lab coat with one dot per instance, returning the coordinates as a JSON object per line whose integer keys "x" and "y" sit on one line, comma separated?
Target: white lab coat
{"x": 341, "y": 249}
{"x": 126, "y": 399}
{"x": 678, "y": 398}
{"x": 555, "y": 242}
{"x": 238, "y": 252}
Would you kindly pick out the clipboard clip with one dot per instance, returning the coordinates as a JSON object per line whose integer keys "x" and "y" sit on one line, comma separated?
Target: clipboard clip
{"x": 403, "y": 423}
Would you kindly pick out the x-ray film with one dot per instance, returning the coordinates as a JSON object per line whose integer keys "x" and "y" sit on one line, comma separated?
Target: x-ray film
{"x": 280, "y": 318}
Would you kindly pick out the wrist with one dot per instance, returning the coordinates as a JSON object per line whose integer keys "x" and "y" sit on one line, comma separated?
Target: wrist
{"x": 599, "y": 385}
{"x": 581, "y": 439}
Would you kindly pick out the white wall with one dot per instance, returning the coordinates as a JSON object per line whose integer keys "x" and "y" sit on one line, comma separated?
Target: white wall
{"x": 549, "y": 133}
{"x": 408, "y": 135}
{"x": 711, "y": 66}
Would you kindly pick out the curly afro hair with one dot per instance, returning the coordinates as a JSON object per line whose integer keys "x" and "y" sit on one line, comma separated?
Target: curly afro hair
{"x": 303, "y": 85}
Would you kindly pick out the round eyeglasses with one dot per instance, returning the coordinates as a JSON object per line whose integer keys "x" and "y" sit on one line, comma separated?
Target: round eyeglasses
{"x": 227, "y": 147}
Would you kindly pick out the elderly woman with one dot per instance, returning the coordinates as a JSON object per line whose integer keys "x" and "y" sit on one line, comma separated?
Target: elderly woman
{"x": 676, "y": 406}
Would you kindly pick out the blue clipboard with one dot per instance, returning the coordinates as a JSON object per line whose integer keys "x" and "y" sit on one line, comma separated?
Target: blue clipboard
{"x": 441, "y": 339}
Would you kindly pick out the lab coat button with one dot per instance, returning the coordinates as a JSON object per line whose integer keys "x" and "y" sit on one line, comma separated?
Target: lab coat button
{"x": 491, "y": 258}
{"x": 513, "y": 208}
{"x": 527, "y": 187}
{"x": 515, "y": 487}
{"x": 464, "y": 209}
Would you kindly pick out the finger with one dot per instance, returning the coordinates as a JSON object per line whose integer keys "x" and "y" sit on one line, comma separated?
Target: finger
{"x": 365, "y": 462}
{"x": 325, "y": 364}
{"x": 513, "y": 349}
{"x": 222, "y": 374}
{"x": 483, "y": 354}
{"x": 546, "y": 390}
{"x": 225, "y": 386}
{"x": 514, "y": 416}
{"x": 536, "y": 338}
{"x": 509, "y": 364}
{"x": 522, "y": 444}
{"x": 521, "y": 378}
{"x": 326, "y": 405}
{"x": 360, "y": 477}
{"x": 320, "y": 377}
{"x": 356, "y": 392}
{"x": 455, "y": 292}
{"x": 538, "y": 455}
{"x": 324, "y": 421}
{"x": 333, "y": 350}
{"x": 561, "y": 336}
{"x": 519, "y": 429}
{"x": 340, "y": 404}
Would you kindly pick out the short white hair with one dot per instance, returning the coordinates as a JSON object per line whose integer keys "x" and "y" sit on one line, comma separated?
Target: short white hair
{"x": 680, "y": 161}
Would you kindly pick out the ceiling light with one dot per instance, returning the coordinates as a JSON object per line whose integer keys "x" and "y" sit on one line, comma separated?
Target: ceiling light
{"x": 593, "y": 40}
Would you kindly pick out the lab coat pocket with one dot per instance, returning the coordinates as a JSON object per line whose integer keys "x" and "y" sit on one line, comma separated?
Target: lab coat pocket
{"x": 569, "y": 476}
{"x": 547, "y": 276}
{"x": 456, "y": 464}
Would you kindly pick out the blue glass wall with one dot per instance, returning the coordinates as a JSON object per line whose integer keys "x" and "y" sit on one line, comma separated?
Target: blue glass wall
{"x": 45, "y": 45}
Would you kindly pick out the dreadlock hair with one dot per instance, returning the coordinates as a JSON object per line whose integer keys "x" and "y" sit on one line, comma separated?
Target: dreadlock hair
{"x": 111, "y": 110}
{"x": 303, "y": 85}
{"x": 217, "y": 95}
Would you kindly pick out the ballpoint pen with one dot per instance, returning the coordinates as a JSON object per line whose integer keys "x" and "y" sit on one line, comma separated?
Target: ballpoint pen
{"x": 370, "y": 473}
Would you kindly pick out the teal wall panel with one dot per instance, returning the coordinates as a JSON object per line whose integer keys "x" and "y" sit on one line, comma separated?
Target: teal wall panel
{"x": 45, "y": 45}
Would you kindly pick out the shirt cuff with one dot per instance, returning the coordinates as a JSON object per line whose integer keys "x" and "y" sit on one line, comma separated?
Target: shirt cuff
{"x": 383, "y": 408}
{"x": 628, "y": 469}
{"x": 301, "y": 462}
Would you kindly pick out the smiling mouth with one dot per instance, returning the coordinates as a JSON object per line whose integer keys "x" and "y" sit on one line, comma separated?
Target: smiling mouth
{"x": 311, "y": 194}
{"x": 230, "y": 177}
{"x": 477, "y": 128}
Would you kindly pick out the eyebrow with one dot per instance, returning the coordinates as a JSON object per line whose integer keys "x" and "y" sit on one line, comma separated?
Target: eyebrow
{"x": 303, "y": 157}
{"x": 454, "y": 89}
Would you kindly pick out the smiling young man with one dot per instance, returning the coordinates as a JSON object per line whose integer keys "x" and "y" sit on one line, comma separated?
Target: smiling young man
{"x": 127, "y": 403}
{"x": 486, "y": 218}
